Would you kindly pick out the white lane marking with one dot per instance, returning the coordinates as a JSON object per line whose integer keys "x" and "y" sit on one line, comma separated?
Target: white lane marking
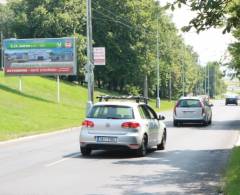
{"x": 62, "y": 160}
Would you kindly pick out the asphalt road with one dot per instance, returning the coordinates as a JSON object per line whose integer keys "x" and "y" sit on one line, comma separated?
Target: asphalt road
{"x": 193, "y": 162}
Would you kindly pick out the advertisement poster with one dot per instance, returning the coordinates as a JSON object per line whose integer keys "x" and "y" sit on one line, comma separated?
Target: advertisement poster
{"x": 52, "y": 56}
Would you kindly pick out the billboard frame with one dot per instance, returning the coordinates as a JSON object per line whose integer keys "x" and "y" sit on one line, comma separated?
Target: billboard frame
{"x": 42, "y": 68}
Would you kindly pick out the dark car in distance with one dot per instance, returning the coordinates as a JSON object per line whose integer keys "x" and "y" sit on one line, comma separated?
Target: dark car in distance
{"x": 231, "y": 100}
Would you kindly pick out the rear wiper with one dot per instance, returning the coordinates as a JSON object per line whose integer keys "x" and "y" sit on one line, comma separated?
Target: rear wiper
{"x": 113, "y": 118}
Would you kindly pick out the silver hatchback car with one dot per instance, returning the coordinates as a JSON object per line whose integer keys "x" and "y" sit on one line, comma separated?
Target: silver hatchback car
{"x": 122, "y": 124}
{"x": 192, "y": 110}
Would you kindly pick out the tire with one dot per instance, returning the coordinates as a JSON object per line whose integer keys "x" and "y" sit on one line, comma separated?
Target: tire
{"x": 204, "y": 123}
{"x": 142, "y": 151}
{"x": 85, "y": 151}
{"x": 210, "y": 121}
{"x": 162, "y": 145}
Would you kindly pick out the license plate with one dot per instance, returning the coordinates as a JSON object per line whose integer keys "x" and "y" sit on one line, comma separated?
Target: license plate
{"x": 106, "y": 139}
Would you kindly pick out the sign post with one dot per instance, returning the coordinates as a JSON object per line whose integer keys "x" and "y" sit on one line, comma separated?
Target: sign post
{"x": 58, "y": 89}
{"x": 20, "y": 83}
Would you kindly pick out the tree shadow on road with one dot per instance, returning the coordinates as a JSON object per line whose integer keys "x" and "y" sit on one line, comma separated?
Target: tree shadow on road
{"x": 173, "y": 172}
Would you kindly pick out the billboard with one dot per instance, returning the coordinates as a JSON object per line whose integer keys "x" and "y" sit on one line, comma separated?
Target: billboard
{"x": 52, "y": 56}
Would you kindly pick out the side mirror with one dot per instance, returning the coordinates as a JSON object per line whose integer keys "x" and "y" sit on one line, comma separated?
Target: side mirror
{"x": 161, "y": 118}
{"x": 211, "y": 105}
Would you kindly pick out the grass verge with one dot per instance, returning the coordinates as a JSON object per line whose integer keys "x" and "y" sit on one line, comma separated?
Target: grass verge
{"x": 232, "y": 176}
{"x": 35, "y": 110}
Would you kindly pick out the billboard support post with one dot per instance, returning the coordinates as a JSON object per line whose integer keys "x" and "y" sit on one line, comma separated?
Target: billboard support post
{"x": 20, "y": 83}
{"x": 58, "y": 89}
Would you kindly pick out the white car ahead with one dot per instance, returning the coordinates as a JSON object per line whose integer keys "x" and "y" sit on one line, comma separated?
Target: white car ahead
{"x": 122, "y": 124}
{"x": 192, "y": 110}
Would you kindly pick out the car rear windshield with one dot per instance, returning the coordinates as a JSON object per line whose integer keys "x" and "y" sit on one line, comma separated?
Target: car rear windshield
{"x": 111, "y": 112}
{"x": 189, "y": 103}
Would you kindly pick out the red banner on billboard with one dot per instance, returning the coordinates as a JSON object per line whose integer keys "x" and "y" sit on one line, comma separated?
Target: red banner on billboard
{"x": 50, "y": 70}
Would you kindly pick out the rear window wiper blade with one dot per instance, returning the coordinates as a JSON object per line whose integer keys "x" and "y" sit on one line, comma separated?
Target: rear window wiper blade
{"x": 113, "y": 118}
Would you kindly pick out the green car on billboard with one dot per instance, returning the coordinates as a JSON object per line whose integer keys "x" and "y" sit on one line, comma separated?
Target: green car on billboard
{"x": 51, "y": 56}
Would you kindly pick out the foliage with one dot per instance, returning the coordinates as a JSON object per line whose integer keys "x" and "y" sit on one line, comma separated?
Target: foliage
{"x": 128, "y": 29}
{"x": 211, "y": 13}
{"x": 214, "y": 78}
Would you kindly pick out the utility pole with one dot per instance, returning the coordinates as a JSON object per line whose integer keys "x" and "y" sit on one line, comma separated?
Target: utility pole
{"x": 89, "y": 66}
{"x": 215, "y": 81}
{"x": 183, "y": 80}
{"x": 208, "y": 82}
{"x": 2, "y": 66}
{"x": 170, "y": 85}
{"x": 158, "y": 77}
{"x": 183, "y": 76}
{"x": 205, "y": 80}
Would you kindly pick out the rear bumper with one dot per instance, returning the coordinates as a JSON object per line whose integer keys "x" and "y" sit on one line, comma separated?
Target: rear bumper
{"x": 126, "y": 141}
{"x": 231, "y": 101}
{"x": 189, "y": 120}
{"x": 105, "y": 146}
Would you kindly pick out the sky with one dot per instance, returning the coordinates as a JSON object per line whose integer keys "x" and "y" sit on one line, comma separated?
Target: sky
{"x": 211, "y": 45}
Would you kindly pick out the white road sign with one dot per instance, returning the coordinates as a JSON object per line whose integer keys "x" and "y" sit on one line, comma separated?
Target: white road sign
{"x": 99, "y": 56}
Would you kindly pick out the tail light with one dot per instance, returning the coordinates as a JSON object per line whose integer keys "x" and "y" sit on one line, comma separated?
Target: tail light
{"x": 132, "y": 125}
{"x": 87, "y": 123}
{"x": 177, "y": 104}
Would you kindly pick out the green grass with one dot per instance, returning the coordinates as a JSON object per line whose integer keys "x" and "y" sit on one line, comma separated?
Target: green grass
{"x": 35, "y": 110}
{"x": 232, "y": 177}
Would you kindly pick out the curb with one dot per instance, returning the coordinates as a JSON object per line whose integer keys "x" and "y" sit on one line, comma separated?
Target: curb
{"x": 39, "y": 135}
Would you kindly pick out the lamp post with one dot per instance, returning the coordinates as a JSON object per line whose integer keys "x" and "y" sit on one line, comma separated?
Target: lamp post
{"x": 89, "y": 66}
{"x": 158, "y": 77}
{"x": 1, "y": 51}
{"x": 208, "y": 91}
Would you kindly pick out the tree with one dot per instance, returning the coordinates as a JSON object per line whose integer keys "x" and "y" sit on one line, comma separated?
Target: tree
{"x": 128, "y": 30}
{"x": 212, "y": 13}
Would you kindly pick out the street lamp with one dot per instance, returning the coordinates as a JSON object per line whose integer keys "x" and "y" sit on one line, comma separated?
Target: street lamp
{"x": 1, "y": 39}
{"x": 183, "y": 75}
{"x": 158, "y": 77}
{"x": 208, "y": 82}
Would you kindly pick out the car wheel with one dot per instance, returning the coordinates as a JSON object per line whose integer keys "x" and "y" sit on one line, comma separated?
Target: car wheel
{"x": 142, "y": 151}
{"x": 162, "y": 145}
{"x": 85, "y": 151}
{"x": 204, "y": 123}
{"x": 210, "y": 121}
